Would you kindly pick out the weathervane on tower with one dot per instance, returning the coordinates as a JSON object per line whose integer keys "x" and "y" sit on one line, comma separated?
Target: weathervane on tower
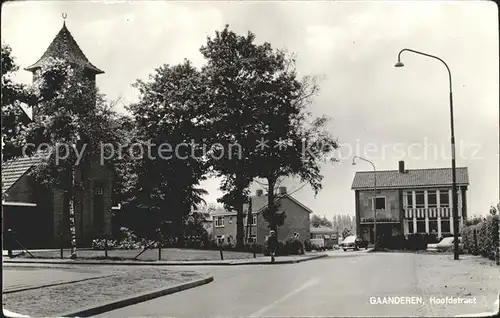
{"x": 64, "y": 16}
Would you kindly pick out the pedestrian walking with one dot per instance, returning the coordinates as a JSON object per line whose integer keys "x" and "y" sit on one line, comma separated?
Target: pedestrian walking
{"x": 272, "y": 243}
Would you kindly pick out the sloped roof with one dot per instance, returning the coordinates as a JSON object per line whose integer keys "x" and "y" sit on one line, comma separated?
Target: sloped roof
{"x": 65, "y": 47}
{"x": 13, "y": 170}
{"x": 411, "y": 178}
{"x": 322, "y": 229}
{"x": 259, "y": 203}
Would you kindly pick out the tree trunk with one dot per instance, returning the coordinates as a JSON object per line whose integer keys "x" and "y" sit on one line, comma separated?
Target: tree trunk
{"x": 71, "y": 212}
{"x": 249, "y": 221}
{"x": 271, "y": 181}
{"x": 240, "y": 228}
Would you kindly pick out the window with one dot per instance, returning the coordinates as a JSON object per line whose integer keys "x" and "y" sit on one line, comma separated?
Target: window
{"x": 433, "y": 226}
{"x": 230, "y": 219}
{"x": 444, "y": 199}
{"x": 409, "y": 199}
{"x": 420, "y": 199}
{"x": 220, "y": 240}
{"x": 431, "y": 199}
{"x": 98, "y": 190}
{"x": 380, "y": 203}
{"x": 252, "y": 239}
{"x": 253, "y": 221}
{"x": 410, "y": 227}
{"x": 420, "y": 226}
{"x": 219, "y": 221}
{"x": 445, "y": 226}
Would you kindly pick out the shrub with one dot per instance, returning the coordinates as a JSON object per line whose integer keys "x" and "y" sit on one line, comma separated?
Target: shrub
{"x": 482, "y": 238}
{"x": 100, "y": 244}
{"x": 127, "y": 240}
{"x": 432, "y": 239}
{"x": 416, "y": 242}
{"x": 491, "y": 241}
{"x": 315, "y": 247}
{"x": 293, "y": 246}
{"x": 280, "y": 250}
{"x": 307, "y": 246}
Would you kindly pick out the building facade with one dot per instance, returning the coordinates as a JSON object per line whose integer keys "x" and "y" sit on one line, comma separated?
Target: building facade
{"x": 38, "y": 214}
{"x": 326, "y": 233}
{"x": 296, "y": 221}
{"x": 321, "y": 231}
{"x": 408, "y": 201}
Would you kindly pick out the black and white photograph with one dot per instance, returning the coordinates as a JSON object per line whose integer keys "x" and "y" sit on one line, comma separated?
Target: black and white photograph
{"x": 247, "y": 158}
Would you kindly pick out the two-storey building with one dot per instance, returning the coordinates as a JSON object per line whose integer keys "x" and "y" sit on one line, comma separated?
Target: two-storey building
{"x": 408, "y": 201}
{"x": 296, "y": 221}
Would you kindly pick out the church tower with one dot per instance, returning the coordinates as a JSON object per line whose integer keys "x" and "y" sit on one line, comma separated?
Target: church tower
{"x": 65, "y": 47}
{"x": 93, "y": 181}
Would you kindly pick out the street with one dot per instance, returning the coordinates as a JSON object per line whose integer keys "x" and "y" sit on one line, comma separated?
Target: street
{"x": 335, "y": 286}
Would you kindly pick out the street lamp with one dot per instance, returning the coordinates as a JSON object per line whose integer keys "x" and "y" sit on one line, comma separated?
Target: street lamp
{"x": 374, "y": 200}
{"x": 453, "y": 163}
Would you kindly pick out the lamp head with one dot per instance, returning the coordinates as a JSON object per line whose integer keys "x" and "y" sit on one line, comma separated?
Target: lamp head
{"x": 399, "y": 64}
{"x": 354, "y": 161}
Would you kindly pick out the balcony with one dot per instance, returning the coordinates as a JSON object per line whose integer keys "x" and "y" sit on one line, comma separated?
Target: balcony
{"x": 431, "y": 212}
{"x": 383, "y": 216}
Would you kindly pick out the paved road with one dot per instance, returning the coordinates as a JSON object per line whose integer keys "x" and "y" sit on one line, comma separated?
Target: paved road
{"x": 334, "y": 286}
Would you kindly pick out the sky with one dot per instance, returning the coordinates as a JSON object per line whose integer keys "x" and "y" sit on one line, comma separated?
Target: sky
{"x": 379, "y": 112}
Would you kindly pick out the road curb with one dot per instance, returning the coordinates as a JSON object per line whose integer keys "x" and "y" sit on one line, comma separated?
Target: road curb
{"x": 116, "y": 304}
{"x": 159, "y": 263}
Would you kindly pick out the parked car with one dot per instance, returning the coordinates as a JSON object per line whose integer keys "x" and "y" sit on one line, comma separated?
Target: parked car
{"x": 349, "y": 243}
{"x": 354, "y": 243}
{"x": 445, "y": 244}
{"x": 361, "y": 244}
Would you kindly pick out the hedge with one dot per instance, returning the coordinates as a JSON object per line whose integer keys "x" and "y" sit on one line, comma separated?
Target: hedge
{"x": 482, "y": 238}
{"x": 414, "y": 242}
{"x": 291, "y": 246}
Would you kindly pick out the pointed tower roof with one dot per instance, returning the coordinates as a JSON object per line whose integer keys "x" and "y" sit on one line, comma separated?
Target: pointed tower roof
{"x": 65, "y": 47}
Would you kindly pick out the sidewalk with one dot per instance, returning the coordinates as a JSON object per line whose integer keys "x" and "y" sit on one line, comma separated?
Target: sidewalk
{"x": 262, "y": 260}
{"x": 16, "y": 252}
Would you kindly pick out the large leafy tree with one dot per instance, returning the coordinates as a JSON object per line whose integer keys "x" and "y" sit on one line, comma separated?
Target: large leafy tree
{"x": 13, "y": 95}
{"x": 257, "y": 96}
{"x": 287, "y": 140}
{"x": 171, "y": 122}
{"x": 317, "y": 221}
{"x": 234, "y": 65}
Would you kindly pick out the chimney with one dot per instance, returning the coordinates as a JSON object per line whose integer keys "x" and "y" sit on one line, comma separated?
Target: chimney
{"x": 259, "y": 192}
{"x": 401, "y": 166}
{"x": 282, "y": 190}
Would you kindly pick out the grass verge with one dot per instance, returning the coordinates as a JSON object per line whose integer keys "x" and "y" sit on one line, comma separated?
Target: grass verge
{"x": 50, "y": 301}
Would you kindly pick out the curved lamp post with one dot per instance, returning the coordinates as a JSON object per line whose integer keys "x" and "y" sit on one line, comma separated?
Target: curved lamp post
{"x": 374, "y": 201}
{"x": 453, "y": 162}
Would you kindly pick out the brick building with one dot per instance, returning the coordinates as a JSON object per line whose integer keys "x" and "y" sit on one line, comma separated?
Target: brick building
{"x": 297, "y": 220}
{"x": 39, "y": 214}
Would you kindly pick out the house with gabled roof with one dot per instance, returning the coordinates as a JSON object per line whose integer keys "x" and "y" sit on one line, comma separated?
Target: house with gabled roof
{"x": 37, "y": 214}
{"x": 408, "y": 201}
{"x": 296, "y": 221}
